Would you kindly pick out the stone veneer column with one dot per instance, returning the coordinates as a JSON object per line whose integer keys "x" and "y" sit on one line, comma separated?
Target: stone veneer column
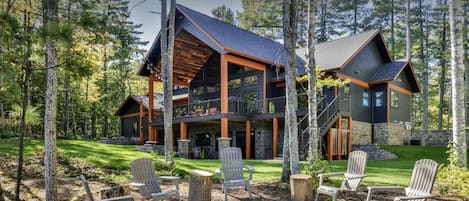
{"x": 223, "y": 142}
{"x": 183, "y": 148}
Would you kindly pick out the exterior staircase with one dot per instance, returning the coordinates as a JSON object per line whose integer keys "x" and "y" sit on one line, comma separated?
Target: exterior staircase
{"x": 327, "y": 117}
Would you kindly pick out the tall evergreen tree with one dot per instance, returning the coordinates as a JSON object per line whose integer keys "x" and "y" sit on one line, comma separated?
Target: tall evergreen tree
{"x": 224, "y": 14}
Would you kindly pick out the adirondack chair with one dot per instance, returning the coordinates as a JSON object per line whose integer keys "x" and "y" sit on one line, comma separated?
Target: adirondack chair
{"x": 90, "y": 195}
{"x": 145, "y": 179}
{"x": 231, "y": 171}
{"x": 352, "y": 177}
{"x": 421, "y": 182}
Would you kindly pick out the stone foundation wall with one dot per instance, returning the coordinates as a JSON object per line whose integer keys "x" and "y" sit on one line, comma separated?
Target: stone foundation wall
{"x": 434, "y": 137}
{"x": 361, "y": 132}
{"x": 391, "y": 134}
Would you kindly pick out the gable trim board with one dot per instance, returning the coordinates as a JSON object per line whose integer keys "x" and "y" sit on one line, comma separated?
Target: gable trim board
{"x": 400, "y": 89}
{"x": 353, "y": 80}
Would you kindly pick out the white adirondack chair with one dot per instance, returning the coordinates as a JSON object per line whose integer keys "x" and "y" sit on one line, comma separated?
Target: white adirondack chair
{"x": 90, "y": 195}
{"x": 231, "y": 172}
{"x": 421, "y": 182}
{"x": 352, "y": 177}
{"x": 145, "y": 179}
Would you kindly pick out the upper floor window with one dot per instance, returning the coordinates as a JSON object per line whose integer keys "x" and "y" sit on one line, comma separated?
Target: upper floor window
{"x": 198, "y": 91}
{"x": 366, "y": 98}
{"x": 394, "y": 99}
{"x": 379, "y": 99}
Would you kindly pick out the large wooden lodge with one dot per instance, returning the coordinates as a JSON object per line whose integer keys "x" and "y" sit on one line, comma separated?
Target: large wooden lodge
{"x": 230, "y": 91}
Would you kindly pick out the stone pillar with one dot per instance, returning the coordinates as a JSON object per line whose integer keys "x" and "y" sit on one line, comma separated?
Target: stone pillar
{"x": 223, "y": 142}
{"x": 183, "y": 148}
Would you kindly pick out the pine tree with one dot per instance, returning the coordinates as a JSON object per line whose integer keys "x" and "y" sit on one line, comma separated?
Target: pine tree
{"x": 224, "y": 14}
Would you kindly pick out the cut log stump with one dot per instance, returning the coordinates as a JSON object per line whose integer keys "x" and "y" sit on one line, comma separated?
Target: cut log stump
{"x": 200, "y": 186}
{"x": 301, "y": 187}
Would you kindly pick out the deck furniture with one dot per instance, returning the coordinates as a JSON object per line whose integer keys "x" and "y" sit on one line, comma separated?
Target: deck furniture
{"x": 91, "y": 198}
{"x": 145, "y": 179}
{"x": 421, "y": 182}
{"x": 231, "y": 172}
{"x": 352, "y": 177}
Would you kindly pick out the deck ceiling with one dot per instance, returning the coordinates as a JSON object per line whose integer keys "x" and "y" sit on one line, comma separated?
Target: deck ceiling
{"x": 190, "y": 55}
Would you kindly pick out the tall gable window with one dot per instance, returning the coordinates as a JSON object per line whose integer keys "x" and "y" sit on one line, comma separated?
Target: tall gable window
{"x": 366, "y": 98}
{"x": 379, "y": 99}
{"x": 394, "y": 99}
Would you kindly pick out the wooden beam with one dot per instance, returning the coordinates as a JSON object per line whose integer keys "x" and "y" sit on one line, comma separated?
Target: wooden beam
{"x": 275, "y": 137}
{"x": 140, "y": 120}
{"x": 248, "y": 140}
{"x": 339, "y": 136}
{"x": 135, "y": 114}
{"x": 224, "y": 84}
{"x": 183, "y": 130}
{"x": 330, "y": 148}
{"x": 400, "y": 89}
{"x": 244, "y": 62}
{"x": 151, "y": 78}
{"x": 353, "y": 80}
{"x": 224, "y": 127}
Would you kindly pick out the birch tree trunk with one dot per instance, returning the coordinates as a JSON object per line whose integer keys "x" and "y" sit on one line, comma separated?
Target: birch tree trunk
{"x": 312, "y": 99}
{"x": 407, "y": 33}
{"x": 425, "y": 70}
{"x": 289, "y": 37}
{"x": 167, "y": 48}
{"x": 457, "y": 81}
{"x": 50, "y": 8}
{"x": 23, "y": 126}
{"x": 442, "y": 72}
{"x": 286, "y": 169}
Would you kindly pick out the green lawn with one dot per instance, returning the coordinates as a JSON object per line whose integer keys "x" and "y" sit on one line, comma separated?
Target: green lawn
{"x": 389, "y": 172}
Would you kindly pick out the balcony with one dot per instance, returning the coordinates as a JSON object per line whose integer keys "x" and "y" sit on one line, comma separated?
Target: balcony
{"x": 237, "y": 108}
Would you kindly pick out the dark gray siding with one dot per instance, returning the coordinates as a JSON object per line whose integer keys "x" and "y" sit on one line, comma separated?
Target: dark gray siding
{"x": 402, "y": 112}
{"x": 359, "y": 111}
{"x": 130, "y": 107}
{"x": 365, "y": 64}
{"x": 379, "y": 114}
{"x": 403, "y": 81}
{"x": 128, "y": 126}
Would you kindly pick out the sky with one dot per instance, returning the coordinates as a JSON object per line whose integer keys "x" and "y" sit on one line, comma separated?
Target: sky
{"x": 141, "y": 13}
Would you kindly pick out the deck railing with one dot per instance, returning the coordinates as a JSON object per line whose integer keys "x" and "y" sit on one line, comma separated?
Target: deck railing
{"x": 238, "y": 106}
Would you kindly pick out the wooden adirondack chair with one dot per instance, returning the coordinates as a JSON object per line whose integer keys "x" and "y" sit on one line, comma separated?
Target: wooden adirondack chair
{"x": 421, "y": 182}
{"x": 231, "y": 172}
{"x": 145, "y": 179}
{"x": 90, "y": 195}
{"x": 352, "y": 177}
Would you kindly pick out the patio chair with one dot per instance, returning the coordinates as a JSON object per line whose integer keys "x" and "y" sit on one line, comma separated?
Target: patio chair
{"x": 421, "y": 182}
{"x": 231, "y": 171}
{"x": 352, "y": 177}
{"x": 91, "y": 198}
{"x": 145, "y": 179}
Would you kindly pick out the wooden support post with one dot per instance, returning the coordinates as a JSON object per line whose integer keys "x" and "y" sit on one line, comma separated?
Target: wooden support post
{"x": 275, "y": 137}
{"x": 301, "y": 186}
{"x": 200, "y": 186}
{"x": 330, "y": 146}
{"x": 141, "y": 133}
{"x": 339, "y": 136}
{"x": 183, "y": 131}
{"x": 224, "y": 127}
{"x": 248, "y": 140}
{"x": 224, "y": 84}
{"x": 349, "y": 135}
{"x": 151, "y": 78}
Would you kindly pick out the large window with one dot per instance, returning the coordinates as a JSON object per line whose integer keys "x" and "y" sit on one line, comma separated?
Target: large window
{"x": 394, "y": 99}
{"x": 366, "y": 99}
{"x": 379, "y": 99}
